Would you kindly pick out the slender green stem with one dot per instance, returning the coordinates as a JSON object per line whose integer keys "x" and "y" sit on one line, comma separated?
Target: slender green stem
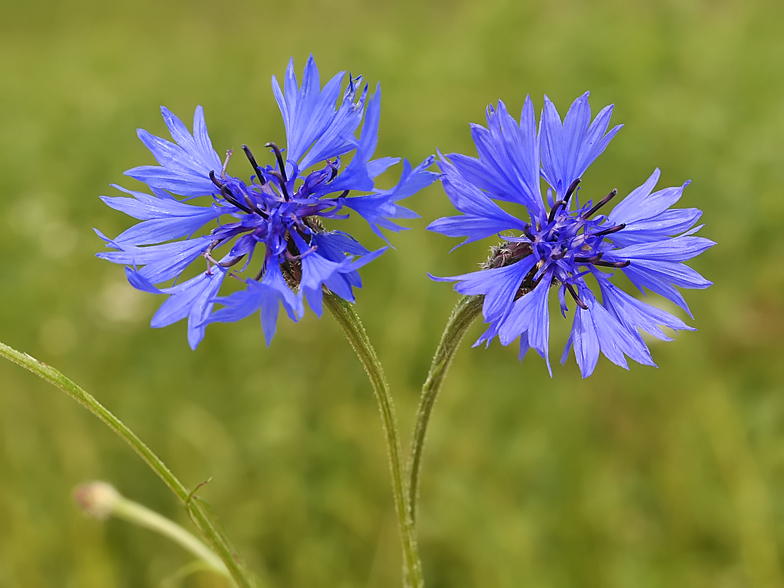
{"x": 139, "y": 514}
{"x": 201, "y": 520}
{"x": 463, "y": 315}
{"x": 101, "y": 500}
{"x": 347, "y": 318}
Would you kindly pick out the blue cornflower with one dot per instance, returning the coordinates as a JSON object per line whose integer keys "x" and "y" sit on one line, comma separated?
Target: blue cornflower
{"x": 281, "y": 207}
{"x": 570, "y": 245}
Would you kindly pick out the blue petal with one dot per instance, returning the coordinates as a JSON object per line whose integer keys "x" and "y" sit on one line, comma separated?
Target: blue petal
{"x": 641, "y": 205}
{"x": 635, "y": 314}
{"x": 568, "y": 149}
{"x": 186, "y": 165}
{"x": 412, "y": 180}
{"x": 140, "y": 282}
{"x": 188, "y": 184}
{"x": 508, "y": 164}
{"x": 266, "y": 295}
{"x": 659, "y": 277}
{"x": 193, "y": 299}
{"x": 164, "y": 219}
{"x": 483, "y": 217}
{"x": 529, "y": 315}
{"x": 338, "y": 138}
{"x": 497, "y": 285}
{"x": 379, "y": 208}
{"x": 316, "y": 270}
{"x": 585, "y": 341}
{"x": 675, "y": 249}
{"x": 667, "y": 224}
{"x": 161, "y": 262}
{"x": 307, "y": 111}
{"x": 614, "y": 338}
{"x": 334, "y": 246}
{"x": 373, "y": 208}
{"x": 357, "y": 176}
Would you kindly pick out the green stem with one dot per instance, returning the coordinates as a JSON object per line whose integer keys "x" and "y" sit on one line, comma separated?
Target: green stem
{"x": 136, "y": 513}
{"x": 347, "y": 318}
{"x": 204, "y": 525}
{"x": 463, "y": 315}
{"x": 100, "y": 500}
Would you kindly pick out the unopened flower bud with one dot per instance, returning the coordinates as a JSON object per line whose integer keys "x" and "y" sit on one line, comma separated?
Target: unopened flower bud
{"x": 97, "y": 499}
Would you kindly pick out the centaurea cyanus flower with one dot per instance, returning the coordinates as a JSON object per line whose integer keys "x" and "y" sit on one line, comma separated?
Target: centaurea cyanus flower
{"x": 277, "y": 214}
{"x": 571, "y": 246}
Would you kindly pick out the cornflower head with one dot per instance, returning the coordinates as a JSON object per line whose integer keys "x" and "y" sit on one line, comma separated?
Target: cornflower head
{"x": 276, "y": 215}
{"x": 571, "y": 244}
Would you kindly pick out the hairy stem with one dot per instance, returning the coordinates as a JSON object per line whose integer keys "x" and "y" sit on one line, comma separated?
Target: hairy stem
{"x": 463, "y": 315}
{"x": 199, "y": 517}
{"x": 347, "y": 318}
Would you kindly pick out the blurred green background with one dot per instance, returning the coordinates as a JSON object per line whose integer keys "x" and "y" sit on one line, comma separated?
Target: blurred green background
{"x": 653, "y": 477}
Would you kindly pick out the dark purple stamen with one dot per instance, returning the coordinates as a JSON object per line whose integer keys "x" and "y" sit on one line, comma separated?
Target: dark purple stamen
{"x": 255, "y": 165}
{"x": 609, "y": 231}
{"x": 215, "y": 180}
{"x": 615, "y": 264}
{"x": 560, "y": 254}
{"x": 601, "y": 203}
{"x": 253, "y": 206}
{"x": 558, "y": 204}
{"x": 227, "y": 194}
{"x": 282, "y": 183}
{"x": 554, "y": 210}
{"x": 572, "y": 188}
{"x": 573, "y": 292}
{"x": 527, "y": 232}
{"x": 592, "y": 259}
{"x": 279, "y": 157}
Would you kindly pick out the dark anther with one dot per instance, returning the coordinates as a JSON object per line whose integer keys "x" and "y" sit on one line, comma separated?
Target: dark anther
{"x": 572, "y": 188}
{"x": 601, "y": 203}
{"x": 560, "y": 254}
{"x": 227, "y": 194}
{"x": 573, "y": 292}
{"x": 252, "y": 205}
{"x": 255, "y": 165}
{"x": 333, "y": 172}
{"x": 215, "y": 180}
{"x": 527, "y": 232}
{"x": 592, "y": 259}
{"x": 279, "y": 157}
{"x": 224, "y": 189}
{"x": 609, "y": 231}
{"x": 554, "y": 210}
{"x": 614, "y": 264}
{"x": 343, "y": 194}
{"x": 282, "y": 182}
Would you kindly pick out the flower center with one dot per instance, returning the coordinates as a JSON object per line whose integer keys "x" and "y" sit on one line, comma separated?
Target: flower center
{"x": 568, "y": 242}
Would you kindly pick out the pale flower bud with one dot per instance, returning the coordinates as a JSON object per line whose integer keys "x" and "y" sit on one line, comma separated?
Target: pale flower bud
{"x": 97, "y": 499}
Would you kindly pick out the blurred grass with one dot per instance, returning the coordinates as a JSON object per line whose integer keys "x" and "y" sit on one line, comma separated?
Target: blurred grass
{"x": 670, "y": 477}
